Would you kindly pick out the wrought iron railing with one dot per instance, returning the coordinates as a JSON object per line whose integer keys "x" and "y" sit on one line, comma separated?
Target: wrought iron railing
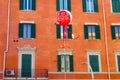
{"x": 40, "y": 73}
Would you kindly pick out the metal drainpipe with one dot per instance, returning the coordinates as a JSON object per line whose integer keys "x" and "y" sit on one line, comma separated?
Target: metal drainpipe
{"x": 7, "y": 40}
{"x": 106, "y": 40}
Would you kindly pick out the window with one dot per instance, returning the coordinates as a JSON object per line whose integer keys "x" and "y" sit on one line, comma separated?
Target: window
{"x": 115, "y": 6}
{"x": 26, "y": 30}
{"x": 65, "y": 63}
{"x": 115, "y": 29}
{"x": 90, "y": 5}
{"x": 60, "y": 31}
{"x": 91, "y": 32}
{"x": 63, "y": 5}
{"x": 94, "y": 62}
{"x": 27, "y": 4}
{"x": 118, "y": 62}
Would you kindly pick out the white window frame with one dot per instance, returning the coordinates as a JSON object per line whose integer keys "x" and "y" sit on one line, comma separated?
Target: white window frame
{"x": 94, "y": 52}
{"x": 26, "y": 49}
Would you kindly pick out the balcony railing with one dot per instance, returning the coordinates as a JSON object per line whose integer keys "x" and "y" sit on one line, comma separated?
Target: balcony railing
{"x": 34, "y": 73}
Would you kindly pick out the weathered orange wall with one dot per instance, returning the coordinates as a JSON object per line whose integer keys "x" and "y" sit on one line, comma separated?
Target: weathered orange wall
{"x": 46, "y": 43}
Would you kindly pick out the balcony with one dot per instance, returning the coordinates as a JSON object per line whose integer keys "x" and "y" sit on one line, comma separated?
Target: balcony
{"x": 18, "y": 74}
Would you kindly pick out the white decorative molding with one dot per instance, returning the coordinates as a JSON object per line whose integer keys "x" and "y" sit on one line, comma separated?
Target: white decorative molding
{"x": 26, "y": 48}
{"x": 93, "y": 51}
{"x": 65, "y": 51}
{"x": 88, "y": 23}
{"x": 115, "y": 23}
{"x": 27, "y": 22}
{"x": 117, "y": 51}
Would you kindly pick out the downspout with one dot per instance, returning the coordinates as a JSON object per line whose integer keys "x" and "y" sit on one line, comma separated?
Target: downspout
{"x": 7, "y": 40}
{"x": 106, "y": 39}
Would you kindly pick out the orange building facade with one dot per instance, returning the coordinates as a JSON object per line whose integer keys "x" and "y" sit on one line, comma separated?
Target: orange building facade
{"x": 31, "y": 40}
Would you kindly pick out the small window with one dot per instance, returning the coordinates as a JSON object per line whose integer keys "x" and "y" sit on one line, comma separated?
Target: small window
{"x": 60, "y": 32}
{"x": 90, "y": 5}
{"x": 65, "y": 63}
{"x": 27, "y": 4}
{"x": 115, "y": 6}
{"x": 63, "y": 5}
{"x": 94, "y": 62}
{"x": 91, "y": 32}
{"x": 115, "y": 30}
{"x": 26, "y": 30}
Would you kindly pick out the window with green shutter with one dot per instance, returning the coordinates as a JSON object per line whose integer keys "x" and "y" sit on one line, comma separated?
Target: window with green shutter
{"x": 94, "y": 63}
{"x": 27, "y": 4}
{"x": 91, "y": 32}
{"x": 115, "y": 6}
{"x": 90, "y": 5}
{"x": 65, "y": 63}
{"x": 60, "y": 32}
{"x": 115, "y": 31}
{"x": 63, "y": 5}
{"x": 27, "y": 30}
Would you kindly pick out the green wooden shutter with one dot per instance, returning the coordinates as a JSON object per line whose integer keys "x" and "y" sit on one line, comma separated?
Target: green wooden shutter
{"x": 59, "y": 63}
{"x": 69, "y": 31}
{"x": 33, "y": 31}
{"x": 26, "y": 65}
{"x": 33, "y": 4}
{"x": 21, "y": 4}
{"x": 113, "y": 32}
{"x": 57, "y": 5}
{"x": 71, "y": 63}
{"x": 118, "y": 62}
{"x": 20, "y": 30}
{"x": 93, "y": 60}
{"x": 116, "y": 5}
{"x": 69, "y": 5}
{"x": 84, "y": 5}
{"x": 96, "y": 5}
{"x": 97, "y": 31}
{"x": 86, "y": 31}
{"x": 58, "y": 31}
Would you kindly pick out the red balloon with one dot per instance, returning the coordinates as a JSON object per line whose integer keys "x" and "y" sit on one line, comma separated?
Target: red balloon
{"x": 64, "y": 17}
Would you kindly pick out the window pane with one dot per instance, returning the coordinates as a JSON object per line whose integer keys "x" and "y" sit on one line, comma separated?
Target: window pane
{"x": 65, "y": 5}
{"x": 61, "y": 32}
{"x": 61, "y": 4}
{"x": 29, "y": 30}
{"x": 67, "y": 64}
{"x": 116, "y": 29}
{"x": 90, "y": 5}
{"x": 93, "y": 29}
{"x": 62, "y": 63}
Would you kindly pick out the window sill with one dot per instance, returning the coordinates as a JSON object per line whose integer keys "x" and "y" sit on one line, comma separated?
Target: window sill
{"x": 27, "y": 38}
{"x": 91, "y": 12}
{"x": 27, "y": 10}
{"x": 92, "y": 39}
{"x": 63, "y": 39}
